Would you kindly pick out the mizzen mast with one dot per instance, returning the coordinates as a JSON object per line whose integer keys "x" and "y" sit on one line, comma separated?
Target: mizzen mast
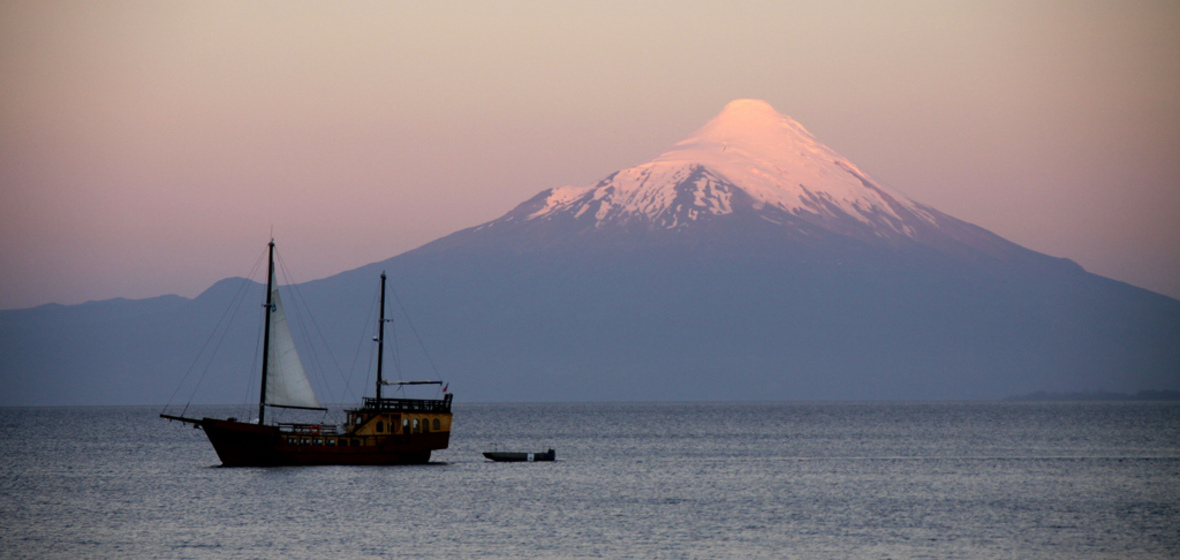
{"x": 381, "y": 337}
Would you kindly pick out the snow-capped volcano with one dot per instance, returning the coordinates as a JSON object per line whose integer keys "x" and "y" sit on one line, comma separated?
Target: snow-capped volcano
{"x": 754, "y": 166}
{"x": 749, "y": 157}
{"x": 748, "y": 262}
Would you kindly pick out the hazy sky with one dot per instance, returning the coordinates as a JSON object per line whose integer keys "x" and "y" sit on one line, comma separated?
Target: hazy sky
{"x": 148, "y": 148}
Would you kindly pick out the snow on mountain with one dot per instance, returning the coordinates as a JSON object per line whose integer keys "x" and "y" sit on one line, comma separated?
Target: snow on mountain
{"x": 752, "y": 162}
{"x": 749, "y": 156}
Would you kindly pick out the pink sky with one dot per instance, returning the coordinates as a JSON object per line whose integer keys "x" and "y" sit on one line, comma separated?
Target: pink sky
{"x": 148, "y": 148}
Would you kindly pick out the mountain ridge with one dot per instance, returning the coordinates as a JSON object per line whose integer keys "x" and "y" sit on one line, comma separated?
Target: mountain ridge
{"x": 678, "y": 279}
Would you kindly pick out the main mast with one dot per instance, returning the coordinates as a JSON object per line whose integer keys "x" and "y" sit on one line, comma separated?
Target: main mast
{"x": 270, "y": 274}
{"x": 381, "y": 338}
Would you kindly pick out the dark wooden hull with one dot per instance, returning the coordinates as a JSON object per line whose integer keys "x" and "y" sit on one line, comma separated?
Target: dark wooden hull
{"x": 239, "y": 444}
{"x": 519, "y": 456}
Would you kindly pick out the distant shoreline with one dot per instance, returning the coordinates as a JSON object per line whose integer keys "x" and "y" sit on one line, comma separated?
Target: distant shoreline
{"x": 1098, "y": 396}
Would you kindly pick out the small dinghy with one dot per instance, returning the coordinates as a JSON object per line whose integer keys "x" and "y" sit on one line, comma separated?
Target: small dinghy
{"x": 519, "y": 456}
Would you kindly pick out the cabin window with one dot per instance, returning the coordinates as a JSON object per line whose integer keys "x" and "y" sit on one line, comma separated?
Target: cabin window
{"x": 304, "y": 441}
{"x": 380, "y": 427}
{"x": 437, "y": 425}
{"x": 357, "y": 421}
{"x": 331, "y": 442}
{"x": 319, "y": 441}
{"x": 405, "y": 425}
{"x": 417, "y": 429}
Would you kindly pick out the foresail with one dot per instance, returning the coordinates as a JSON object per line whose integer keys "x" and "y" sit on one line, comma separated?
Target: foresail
{"x": 286, "y": 381}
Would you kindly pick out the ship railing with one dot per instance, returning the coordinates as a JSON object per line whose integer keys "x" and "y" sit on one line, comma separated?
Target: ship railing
{"x": 309, "y": 429}
{"x": 408, "y": 405}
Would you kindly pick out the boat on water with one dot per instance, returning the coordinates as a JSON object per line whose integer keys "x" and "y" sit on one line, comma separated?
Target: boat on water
{"x": 520, "y": 456}
{"x": 382, "y": 431}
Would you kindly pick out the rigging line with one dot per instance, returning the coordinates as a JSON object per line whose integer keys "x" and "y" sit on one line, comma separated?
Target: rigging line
{"x": 298, "y": 305}
{"x": 371, "y": 366}
{"x": 397, "y": 355}
{"x": 193, "y": 365}
{"x": 415, "y": 331}
{"x": 301, "y": 300}
{"x": 234, "y": 306}
{"x": 244, "y": 404}
{"x": 301, "y": 313}
{"x": 360, "y": 344}
{"x": 255, "y": 365}
{"x": 258, "y": 336}
{"x": 246, "y": 407}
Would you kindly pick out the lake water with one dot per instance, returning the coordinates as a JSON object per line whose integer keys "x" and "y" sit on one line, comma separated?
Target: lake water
{"x": 782, "y": 480}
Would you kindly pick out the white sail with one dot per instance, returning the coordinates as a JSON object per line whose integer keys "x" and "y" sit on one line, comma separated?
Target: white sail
{"x": 286, "y": 382}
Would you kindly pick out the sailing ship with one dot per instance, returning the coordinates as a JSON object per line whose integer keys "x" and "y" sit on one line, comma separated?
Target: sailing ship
{"x": 382, "y": 431}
